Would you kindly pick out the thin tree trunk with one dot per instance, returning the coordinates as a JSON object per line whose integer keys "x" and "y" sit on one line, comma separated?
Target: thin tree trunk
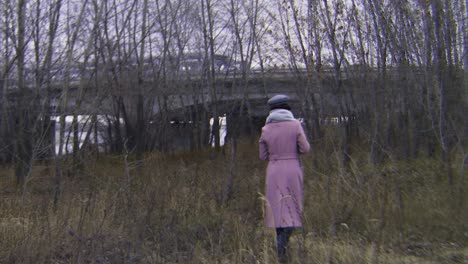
{"x": 141, "y": 135}
{"x": 6, "y": 119}
{"x": 64, "y": 105}
{"x": 442, "y": 86}
{"x": 24, "y": 137}
{"x": 465, "y": 41}
{"x": 209, "y": 69}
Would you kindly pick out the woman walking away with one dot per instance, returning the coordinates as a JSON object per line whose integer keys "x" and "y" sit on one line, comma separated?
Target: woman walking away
{"x": 281, "y": 142}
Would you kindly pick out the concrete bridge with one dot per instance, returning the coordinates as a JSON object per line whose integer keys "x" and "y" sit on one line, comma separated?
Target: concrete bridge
{"x": 183, "y": 95}
{"x": 184, "y": 92}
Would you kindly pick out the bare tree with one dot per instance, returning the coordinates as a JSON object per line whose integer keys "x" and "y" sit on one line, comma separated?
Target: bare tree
{"x": 115, "y": 55}
{"x": 465, "y": 34}
{"x": 7, "y": 65}
{"x": 141, "y": 119}
{"x": 209, "y": 71}
{"x": 304, "y": 41}
{"x": 44, "y": 37}
{"x": 72, "y": 36}
{"x": 23, "y": 144}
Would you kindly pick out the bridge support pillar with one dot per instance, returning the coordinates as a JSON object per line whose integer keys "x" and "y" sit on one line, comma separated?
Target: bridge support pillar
{"x": 240, "y": 126}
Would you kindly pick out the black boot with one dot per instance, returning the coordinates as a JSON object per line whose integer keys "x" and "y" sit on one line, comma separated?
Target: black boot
{"x": 282, "y": 239}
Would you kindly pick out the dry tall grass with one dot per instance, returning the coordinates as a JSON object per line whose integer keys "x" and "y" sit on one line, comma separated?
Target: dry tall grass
{"x": 172, "y": 208}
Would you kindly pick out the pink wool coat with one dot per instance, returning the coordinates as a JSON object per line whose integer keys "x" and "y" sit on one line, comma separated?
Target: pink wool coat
{"x": 280, "y": 144}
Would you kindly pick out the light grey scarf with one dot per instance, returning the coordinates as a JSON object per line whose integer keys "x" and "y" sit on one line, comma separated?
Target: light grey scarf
{"x": 279, "y": 115}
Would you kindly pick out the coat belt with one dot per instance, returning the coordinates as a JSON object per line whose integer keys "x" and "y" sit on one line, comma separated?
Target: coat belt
{"x": 283, "y": 156}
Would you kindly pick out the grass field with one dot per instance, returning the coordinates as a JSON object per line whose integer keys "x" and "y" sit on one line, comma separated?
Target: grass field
{"x": 206, "y": 207}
